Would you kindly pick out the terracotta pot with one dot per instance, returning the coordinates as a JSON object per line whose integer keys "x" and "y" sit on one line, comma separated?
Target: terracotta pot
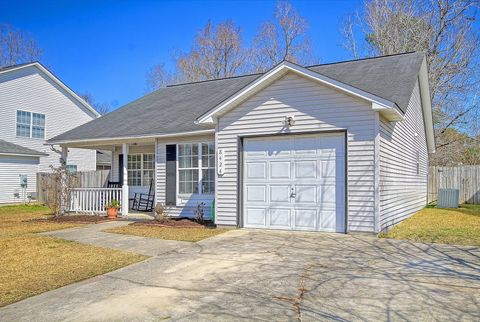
{"x": 112, "y": 213}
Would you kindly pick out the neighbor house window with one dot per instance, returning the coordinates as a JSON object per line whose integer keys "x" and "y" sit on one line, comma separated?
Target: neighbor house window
{"x": 72, "y": 168}
{"x": 196, "y": 168}
{"x": 30, "y": 125}
{"x": 140, "y": 169}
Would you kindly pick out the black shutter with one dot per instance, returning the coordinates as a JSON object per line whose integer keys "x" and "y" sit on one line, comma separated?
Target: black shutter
{"x": 171, "y": 170}
{"x": 120, "y": 169}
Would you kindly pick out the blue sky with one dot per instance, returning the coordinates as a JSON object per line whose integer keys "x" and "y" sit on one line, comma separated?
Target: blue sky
{"x": 107, "y": 47}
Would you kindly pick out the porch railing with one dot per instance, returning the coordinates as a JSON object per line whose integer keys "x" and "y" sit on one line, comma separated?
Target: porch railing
{"x": 92, "y": 200}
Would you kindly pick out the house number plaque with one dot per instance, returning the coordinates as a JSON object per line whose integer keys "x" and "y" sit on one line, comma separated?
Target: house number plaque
{"x": 221, "y": 161}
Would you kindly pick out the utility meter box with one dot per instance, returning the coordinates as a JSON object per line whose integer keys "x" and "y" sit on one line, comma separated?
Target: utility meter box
{"x": 23, "y": 180}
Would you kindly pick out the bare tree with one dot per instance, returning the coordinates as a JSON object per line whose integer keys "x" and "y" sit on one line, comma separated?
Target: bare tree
{"x": 158, "y": 77}
{"x": 16, "y": 47}
{"x": 217, "y": 52}
{"x": 282, "y": 39}
{"x": 444, "y": 30}
{"x": 101, "y": 108}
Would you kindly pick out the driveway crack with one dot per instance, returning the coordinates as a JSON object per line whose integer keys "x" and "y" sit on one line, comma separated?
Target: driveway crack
{"x": 297, "y": 300}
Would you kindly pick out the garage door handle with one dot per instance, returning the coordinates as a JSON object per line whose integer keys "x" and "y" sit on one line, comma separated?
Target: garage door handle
{"x": 292, "y": 194}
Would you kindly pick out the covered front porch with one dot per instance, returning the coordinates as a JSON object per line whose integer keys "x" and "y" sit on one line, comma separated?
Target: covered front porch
{"x": 132, "y": 176}
{"x": 178, "y": 172}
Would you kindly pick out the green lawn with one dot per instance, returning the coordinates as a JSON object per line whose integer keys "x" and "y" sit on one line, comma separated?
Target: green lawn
{"x": 448, "y": 226}
{"x": 171, "y": 233}
{"x": 31, "y": 264}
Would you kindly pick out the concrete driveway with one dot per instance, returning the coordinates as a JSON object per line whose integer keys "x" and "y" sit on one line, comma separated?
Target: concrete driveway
{"x": 258, "y": 275}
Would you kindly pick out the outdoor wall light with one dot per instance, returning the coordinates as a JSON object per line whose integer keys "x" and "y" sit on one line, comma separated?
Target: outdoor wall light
{"x": 289, "y": 121}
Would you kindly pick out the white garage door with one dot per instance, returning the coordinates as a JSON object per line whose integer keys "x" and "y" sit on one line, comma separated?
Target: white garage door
{"x": 295, "y": 182}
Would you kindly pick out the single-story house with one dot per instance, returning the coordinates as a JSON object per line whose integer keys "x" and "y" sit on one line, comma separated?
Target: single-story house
{"x": 35, "y": 106}
{"x": 337, "y": 147}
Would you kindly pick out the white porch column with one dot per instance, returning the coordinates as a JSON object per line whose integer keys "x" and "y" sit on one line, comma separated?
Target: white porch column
{"x": 125, "y": 202}
{"x": 63, "y": 180}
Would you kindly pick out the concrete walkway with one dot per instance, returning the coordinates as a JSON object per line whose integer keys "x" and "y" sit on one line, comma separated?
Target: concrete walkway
{"x": 94, "y": 235}
{"x": 265, "y": 276}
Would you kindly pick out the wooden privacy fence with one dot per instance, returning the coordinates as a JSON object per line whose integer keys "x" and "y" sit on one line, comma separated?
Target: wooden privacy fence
{"x": 84, "y": 179}
{"x": 466, "y": 178}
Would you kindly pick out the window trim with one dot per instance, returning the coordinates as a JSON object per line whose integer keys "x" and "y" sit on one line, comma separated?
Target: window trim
{"x": 141, "y": 154}
{"x": 199, "y": 168}
{"x": 31, "y": 125}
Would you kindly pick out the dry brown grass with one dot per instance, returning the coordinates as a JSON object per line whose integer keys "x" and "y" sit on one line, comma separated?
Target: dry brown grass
{"x": 447, "y": 226}
{"x": 170, "y": 233}
{"x": 31, "y": 264}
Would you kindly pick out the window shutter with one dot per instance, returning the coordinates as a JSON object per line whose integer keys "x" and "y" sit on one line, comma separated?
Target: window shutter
{"x": 171, "y": 169}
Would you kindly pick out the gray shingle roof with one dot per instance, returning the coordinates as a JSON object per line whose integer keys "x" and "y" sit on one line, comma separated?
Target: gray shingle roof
{"x": 390, "y": 77}
{"x": 11, "y": 148}
{"x": 174, "y": 109}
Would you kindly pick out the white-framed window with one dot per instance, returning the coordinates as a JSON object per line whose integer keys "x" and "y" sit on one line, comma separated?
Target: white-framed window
{"x": 196, "y": 168}
{"x": 141, "y": 168}
{"x": 30, "y": 125}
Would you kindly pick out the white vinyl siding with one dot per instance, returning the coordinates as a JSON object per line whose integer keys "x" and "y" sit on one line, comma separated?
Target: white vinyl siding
{"x": 11, "y": 167}
{"x": 316, "y": 108}
{"x": 52, "y": 111}
{"x": 403, "y": 165}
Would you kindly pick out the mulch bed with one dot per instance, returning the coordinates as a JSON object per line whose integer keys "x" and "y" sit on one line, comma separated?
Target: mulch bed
{"x": 80, "y": 219}
{"x": 173, "y": 222}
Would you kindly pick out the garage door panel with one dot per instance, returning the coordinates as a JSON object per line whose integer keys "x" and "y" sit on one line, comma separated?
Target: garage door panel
{"x": 280, "y": 170}
{"x": 280, "y": 148}
{"x": 306, "y": 169}
{"x": 328, "y": 168}
{"x": 256, "y": 193}
{"x": 280, "y": 193}
{"x": 256, "y": 217}
{"x": 296, "y": 182}
{"x": 305, "y": 218}
{"x": 305, "y": 146}
{"x": 306, "y": 194}
{"x": 280, "y": 218}
{"x": 328, "y": 219}
{"x": 256, "y": 170}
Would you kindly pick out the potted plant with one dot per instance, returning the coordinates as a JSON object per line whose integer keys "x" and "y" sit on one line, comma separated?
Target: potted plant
{"x": 112, "y": 209}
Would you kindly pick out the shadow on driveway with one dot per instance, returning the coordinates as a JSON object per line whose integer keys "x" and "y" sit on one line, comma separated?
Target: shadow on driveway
{"x": 276, "y": 276}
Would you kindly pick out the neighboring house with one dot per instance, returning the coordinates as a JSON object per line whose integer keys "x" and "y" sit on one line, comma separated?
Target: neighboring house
{"x": 35, "y": 106}
{"x": 104, "y": 160}
{"x": 335, "y": 147}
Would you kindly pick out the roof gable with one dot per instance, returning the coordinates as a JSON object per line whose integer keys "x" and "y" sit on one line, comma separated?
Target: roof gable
{"x": 55, "y": 79}
{"x": 279, "y": 71}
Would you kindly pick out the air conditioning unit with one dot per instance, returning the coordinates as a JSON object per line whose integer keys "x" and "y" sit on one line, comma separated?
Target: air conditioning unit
{"x": 448, "y": 198}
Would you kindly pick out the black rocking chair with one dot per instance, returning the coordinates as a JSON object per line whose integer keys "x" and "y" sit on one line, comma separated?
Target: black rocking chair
{"x": 114, "y": 184}
{"x": 143, "y": 201}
